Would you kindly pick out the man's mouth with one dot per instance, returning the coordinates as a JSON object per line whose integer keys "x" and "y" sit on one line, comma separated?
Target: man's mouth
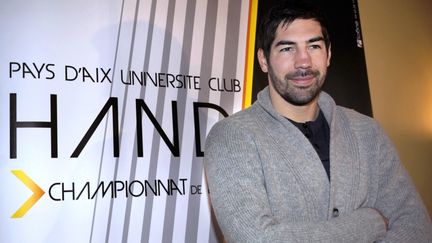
{"x": 303, "y": 81}
{"x": 302, "y": 78}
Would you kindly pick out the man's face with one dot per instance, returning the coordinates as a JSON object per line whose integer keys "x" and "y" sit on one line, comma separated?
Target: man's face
{"x": 297, "y": 62}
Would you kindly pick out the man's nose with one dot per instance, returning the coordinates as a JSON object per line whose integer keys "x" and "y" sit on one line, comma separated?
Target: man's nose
{"x": 302, "y": 59}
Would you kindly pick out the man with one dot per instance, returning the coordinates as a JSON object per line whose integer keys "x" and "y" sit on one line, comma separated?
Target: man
{"x": 295, "y": 167}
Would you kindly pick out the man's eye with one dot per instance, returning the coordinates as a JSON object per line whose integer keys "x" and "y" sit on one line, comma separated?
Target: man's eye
{"x": 313, "y": 47}
{"x": 289, "y": 48}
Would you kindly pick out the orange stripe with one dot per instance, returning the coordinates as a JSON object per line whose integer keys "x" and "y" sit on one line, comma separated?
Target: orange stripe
{"x": 250, "y": 53}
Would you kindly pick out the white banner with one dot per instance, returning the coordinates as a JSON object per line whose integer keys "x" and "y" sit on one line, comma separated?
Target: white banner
{"x": 105, "y": 106}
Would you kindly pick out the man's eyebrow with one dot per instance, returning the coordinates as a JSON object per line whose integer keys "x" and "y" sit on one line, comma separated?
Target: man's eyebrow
{"x": 288, "y": 42}
{"x": 318, "y": 38}
{"x": 284, "y": 42}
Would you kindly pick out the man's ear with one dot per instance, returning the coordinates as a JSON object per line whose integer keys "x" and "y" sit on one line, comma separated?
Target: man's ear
{"x": 262, "y": 60}
{"x": 328, "y": 55}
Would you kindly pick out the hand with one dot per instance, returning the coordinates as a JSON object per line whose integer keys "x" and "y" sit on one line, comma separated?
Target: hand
{"x": 386, "y": 221}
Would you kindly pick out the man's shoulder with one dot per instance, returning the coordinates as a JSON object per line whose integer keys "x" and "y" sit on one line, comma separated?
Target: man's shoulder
{"x": 238, "y": 127}
{"x": 343, "y": 115}
{"x": 240, "y": 120}
{"x": 354, "y": 115}
{"x": 358, "y": 121}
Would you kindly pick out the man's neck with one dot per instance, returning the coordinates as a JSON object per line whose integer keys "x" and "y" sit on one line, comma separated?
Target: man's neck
{"x": 300, "y": 114}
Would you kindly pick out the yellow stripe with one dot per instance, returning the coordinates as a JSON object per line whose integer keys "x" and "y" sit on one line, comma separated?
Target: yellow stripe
{"x": 250, "y": 53}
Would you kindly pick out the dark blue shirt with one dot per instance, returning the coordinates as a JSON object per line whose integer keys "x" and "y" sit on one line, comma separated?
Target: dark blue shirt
{"x": 318, "y": 134}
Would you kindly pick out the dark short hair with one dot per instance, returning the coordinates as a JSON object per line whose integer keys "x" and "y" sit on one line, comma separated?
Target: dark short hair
{"x": 286, "y": 12}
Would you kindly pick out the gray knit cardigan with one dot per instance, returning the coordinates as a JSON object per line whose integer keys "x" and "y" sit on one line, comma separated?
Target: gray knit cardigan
{"x": 267, "y": 183}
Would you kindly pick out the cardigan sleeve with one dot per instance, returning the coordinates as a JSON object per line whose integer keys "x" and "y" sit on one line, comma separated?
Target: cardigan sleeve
{"x": 398, "y": 199}
{"x": 238, "y": 196}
